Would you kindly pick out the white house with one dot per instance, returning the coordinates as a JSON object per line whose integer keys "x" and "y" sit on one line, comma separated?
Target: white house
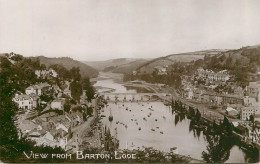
{"x": 246, "y": 112}
{"x": 24, "y": 101}
{"x": 57, "y": 104}
{"x": 48, "y": 136}
{"x": 46, "y": 73}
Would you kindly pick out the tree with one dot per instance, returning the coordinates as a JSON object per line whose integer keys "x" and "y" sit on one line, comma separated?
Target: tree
{"x": 76, "y": 90}
{"x": 75, "y": 73}
{"x": 90, "y": 91}
{"x": 89, "y": 111}
{"x": 217, "y": 150}
{"x": 67, "y": 105}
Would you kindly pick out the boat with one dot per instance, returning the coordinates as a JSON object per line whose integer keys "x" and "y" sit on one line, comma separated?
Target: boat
{"x": 155, "y": 119}
{"x": 161, "y": 132}
{"x": 110, "y": 118}
{"x": 153, "y": 129}
{"x": 103, "y": 115}
{"x": 139, "y": 128}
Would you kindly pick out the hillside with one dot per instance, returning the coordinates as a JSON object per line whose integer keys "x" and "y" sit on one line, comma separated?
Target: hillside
{"x": 171, "y": 59}
{"x": 121, "y": 65}
{"x": 68, "y": 63}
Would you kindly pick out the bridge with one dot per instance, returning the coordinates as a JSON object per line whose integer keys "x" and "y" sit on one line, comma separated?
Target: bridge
{"x": 126, "y": 97}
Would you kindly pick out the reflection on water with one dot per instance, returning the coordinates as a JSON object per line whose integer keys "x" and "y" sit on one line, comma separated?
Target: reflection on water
{"x": 155, "y": 125}
{"x": 152, "y": 122}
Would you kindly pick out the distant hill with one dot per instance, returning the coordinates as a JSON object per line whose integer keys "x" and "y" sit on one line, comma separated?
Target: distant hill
{"x": 68, "y": 63}
{"x": 121, "y": 65}
{"x": 171, "y": 59}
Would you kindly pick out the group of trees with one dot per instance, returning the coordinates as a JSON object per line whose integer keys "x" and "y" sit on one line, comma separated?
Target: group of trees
{"x": 172, "y": 79}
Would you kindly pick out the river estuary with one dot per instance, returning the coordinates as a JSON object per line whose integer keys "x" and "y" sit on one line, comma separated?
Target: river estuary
{"x": 159, "y": 129}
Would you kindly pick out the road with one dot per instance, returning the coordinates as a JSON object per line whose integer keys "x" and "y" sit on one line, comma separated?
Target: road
{"x": 83, "y": 128}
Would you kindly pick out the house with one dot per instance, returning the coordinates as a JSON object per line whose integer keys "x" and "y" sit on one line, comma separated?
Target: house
{"x": 24, "y": 101}
{"x": 46, "y": 73}
{"x": 34, "y": 134}
{"x": 249, "y": 101}
{"x": 253, "y": 90}
{"x": 61, "y": 126}
{"x": 246, "y": 112}
{"x": 67, "y": 91}
{"x": 57, "y": 104}
{"x": 37, "y": 89}
{"x": 161, "y": 70}
{"x": 56, "y": 88}
{"x": 254, "y": 134}
{"x": 48, "y": 136}
{"x": 231, "y": 111}
{"x": 189, "y": 94}
{"x": 221, "y": 76}
{"x": 239, "y": 91}
{"x": 26, "y": 126}
{"x": 231, "y": 99}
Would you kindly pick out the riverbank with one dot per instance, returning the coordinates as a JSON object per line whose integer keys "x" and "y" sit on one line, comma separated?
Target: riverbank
{"x": 175, "y": 129}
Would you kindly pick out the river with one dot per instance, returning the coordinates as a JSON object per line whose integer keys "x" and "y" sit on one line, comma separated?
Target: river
{"x": 159, "y": 130}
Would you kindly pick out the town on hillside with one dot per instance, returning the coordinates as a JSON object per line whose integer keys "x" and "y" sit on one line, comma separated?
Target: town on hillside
{"x": 213, "y": 85}
{"x": 58, "y": 109}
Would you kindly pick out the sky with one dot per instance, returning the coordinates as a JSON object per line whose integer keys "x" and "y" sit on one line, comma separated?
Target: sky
{"x": 92, "y": 30}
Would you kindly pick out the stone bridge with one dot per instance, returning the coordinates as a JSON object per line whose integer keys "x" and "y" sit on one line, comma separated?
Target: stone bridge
{"x": 126, "y": 97}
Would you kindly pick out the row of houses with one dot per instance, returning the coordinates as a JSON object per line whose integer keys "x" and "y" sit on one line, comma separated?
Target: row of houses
{"x": 209, "y": 75}
{"x": 46, "y": 73}
{"x": 211, "y": 97}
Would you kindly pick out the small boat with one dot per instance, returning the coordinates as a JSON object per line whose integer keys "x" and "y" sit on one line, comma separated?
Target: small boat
{"x": 157, "y": 127}
{"x": 155, "y": 119}
{"x": 148, "y": 115}
{"x": 126, "y": 108}
{"x": 103, "y": 116}
{"x": 110, "y": 118}
{"x": 161, "y": 132}
{"x": 153, "y": 129}
{"x": 139, "y": 128}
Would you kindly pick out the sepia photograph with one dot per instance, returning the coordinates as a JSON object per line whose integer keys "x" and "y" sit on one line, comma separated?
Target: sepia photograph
{"x": 129, "y": 81}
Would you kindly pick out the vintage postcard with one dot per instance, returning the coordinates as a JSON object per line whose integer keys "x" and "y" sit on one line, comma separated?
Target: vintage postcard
{"x": 129, "y": 81}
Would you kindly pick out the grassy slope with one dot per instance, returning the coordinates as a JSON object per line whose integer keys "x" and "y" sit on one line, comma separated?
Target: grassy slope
{"x": 171, "y": 59}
